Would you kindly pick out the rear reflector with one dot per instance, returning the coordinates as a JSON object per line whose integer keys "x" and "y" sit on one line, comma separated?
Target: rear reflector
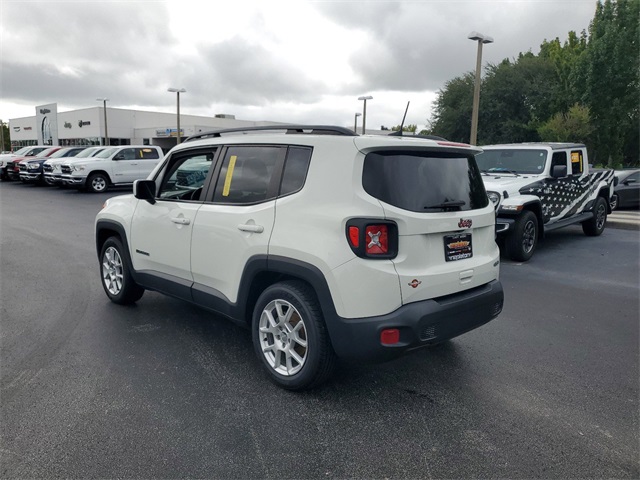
{"x": 354, "y": 236}
{"x": 390, "y": 336}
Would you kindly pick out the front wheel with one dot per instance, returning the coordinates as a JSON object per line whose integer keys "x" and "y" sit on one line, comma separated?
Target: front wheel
{"x": 290, "y": 336}
{"x": 115, "y": 271}
{"x": 522, "y": 241}
{"x": 97, "y": 183}
{"x": 595, "y": 225}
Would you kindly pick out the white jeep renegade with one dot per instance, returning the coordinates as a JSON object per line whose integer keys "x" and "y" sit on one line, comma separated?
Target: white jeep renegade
{"x": 325, "y": 243}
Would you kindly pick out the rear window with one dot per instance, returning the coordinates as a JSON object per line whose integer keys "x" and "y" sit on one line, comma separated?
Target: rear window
{"x": 424, "y": 181}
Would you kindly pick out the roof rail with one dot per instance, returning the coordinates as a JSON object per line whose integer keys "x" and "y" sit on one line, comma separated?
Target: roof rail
{"x": 290, "y": 129}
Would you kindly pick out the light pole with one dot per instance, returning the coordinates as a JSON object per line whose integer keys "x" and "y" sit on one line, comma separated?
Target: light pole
{"x": 177, "y": 91}
{"x": 364, "y": 111}
{"x": 480, "y": 38}
{"x": 104, "y": 106}
{"x": 355, "y": 122}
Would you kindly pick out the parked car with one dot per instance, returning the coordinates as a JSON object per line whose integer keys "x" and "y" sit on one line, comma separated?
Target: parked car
{"x": 32, "y": 171}
{"x": 114, "y": 166}
{"x": 539, "y": 187}
{"x": 13, "y": 166}
{"x": 24, "y": 152}
{"x": 52, "y": 168}
{"x": 626, "y": 193}
{"x": 324, "y": 243}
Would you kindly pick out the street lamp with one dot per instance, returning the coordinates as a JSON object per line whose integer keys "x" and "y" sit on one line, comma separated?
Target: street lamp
{"x": 355, "y": 122}
{"x": 177, "y": 91}
{"x": 104, "y": 106}
{"x": 364, "y": 111}
{"x": 480, "y": 38}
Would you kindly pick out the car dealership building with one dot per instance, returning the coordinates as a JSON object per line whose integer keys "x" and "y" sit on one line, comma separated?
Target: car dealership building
{"x": 88, "y": 126}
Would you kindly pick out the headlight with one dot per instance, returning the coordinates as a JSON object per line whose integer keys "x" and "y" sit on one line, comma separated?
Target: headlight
{"x": 494, "y": 197}
{"x": 77, "y": 168}
{"x": 32, "y": 166}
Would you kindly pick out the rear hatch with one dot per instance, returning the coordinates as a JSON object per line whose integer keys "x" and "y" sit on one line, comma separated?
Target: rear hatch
{"x": 446, "y": 223}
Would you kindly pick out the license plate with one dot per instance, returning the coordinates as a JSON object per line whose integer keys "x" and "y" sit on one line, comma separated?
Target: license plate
{"x": 457, "y": 247}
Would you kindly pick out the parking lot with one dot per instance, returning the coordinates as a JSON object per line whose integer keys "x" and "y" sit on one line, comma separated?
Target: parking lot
{"x": 163, "y": 389}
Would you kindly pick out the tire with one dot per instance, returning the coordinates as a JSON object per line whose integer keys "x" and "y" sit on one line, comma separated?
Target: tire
{"x": 97, "y": 183}
{"x": 291, "y": 338}
{"x": 595, "y": 226}
{"x": 614, "y": 201}
{"x": 115, "y": 272}
{"x": 522, "y": 241}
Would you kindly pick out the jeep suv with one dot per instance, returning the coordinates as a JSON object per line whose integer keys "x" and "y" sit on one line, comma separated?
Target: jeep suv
{"x": 324, "y": 243}
{"x": 114, "y": 166}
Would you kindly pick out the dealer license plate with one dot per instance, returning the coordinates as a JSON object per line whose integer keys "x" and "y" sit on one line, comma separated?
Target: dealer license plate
{"x": 457, "y": 247}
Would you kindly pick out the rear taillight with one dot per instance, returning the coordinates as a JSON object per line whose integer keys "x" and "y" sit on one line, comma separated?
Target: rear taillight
{"x": 371, "y": 238}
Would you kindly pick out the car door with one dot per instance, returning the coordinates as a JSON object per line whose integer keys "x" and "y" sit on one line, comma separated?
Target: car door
{"x": 125, "y": 166}
{"x": 235, "y": 223}
{"x": 161, "y": 232}
{"x": 628, "y": 191}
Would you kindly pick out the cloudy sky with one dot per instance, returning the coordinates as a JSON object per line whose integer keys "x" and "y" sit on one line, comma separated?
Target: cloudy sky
{"x": 288, "y": 61}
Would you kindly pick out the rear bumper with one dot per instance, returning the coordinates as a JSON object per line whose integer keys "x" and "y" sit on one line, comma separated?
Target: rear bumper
{"x": 420, "y": 324}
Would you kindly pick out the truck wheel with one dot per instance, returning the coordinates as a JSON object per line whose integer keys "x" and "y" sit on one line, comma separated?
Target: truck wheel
{"x": 97, "y": 183}
{"x": 521, "y": 242}
{"x": 116, "y": 276}
{"x": 595, "y": 226}
{"x": 290, "y": 336}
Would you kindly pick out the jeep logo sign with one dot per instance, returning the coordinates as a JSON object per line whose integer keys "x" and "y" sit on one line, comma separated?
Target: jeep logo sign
{"x": 465, "y": 223}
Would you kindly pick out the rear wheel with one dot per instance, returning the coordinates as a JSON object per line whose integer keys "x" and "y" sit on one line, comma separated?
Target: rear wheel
{"x": 522, "y": 241}
{"x": 97, "y": 183}
{"x": 290, "y": 336}
{"x": 116, "y": 276}
{"x": 595, "y": 225}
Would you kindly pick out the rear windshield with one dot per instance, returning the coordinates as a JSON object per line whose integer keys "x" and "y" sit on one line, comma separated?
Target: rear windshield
{"x": 424, "y": 181}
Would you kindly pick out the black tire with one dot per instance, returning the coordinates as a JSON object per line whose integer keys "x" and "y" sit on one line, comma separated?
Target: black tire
{"x": 595, "y": 226}
{"x": 97, "y": 183}
{"x": 115, "y": 273}
{"x": 614, "y": 201}
{"x": 297, "y": 336}
{"x": 521, "y": 242}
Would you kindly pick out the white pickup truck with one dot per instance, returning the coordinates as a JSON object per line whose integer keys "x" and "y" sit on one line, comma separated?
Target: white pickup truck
{"x": 537, "y": 187}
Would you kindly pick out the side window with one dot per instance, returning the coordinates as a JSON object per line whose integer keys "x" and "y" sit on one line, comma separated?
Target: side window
{"x": 248, "y": 174}
{"x": 186, "y": 175}
{"x": 295, "y": 169}
{"x": 127, "y": 154}
{"x": 147, "y": 153}
{"x": 576, "y": 162}
{"x": 559, "y": 158}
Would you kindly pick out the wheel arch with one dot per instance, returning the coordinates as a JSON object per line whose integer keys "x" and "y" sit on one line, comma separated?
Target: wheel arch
{"x": 106, "y": 229}
{"x": 104, "y": 172}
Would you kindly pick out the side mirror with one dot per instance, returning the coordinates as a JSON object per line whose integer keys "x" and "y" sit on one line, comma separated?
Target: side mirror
{"x": 616, "y": 180}
{"x": 145, "y": 190}
{"x": 559, "y": 171}
{"x": 629, "y": 181}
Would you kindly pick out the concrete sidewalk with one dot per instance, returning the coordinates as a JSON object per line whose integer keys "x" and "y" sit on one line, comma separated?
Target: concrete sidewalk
{"x": 625, "y": 219}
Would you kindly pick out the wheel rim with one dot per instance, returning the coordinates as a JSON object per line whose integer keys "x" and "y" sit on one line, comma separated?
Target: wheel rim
{"x": 283, "y": 337}
{"x": 98, "y": 184}
{"x": 601, "y": 215}
{"x": 614, "y": 202}
{"x": 112, "y": 271}
{"x": 529, "y": 236}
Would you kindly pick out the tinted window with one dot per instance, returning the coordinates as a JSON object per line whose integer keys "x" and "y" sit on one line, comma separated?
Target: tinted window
{"x": 295, "y": 169}
{"x": 186, "y": 175}
{"x": 247, "y": 174}
{"x": 147, "y": 153}
{"x": 424, "y": 182}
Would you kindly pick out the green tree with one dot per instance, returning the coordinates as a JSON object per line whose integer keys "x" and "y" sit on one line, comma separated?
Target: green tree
{"x": 572, "y": 126}
{"x": 407, "y": 128}
{"x": 452, "y": 109}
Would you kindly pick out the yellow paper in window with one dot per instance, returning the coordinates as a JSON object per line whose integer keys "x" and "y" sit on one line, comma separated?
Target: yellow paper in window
{"x": 227, "y": 179}
{"x": 575, "y": 157}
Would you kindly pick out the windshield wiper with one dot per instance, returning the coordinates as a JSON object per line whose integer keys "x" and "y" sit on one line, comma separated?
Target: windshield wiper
{"x": 449, "y": 205}
{"x": 501, "y": 170}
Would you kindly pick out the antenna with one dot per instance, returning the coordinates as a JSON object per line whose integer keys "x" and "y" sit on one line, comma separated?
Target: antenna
{"x": 399, "y": 132}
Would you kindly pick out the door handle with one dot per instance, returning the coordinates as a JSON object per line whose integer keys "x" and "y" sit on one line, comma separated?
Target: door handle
{"x": 251, "y": 228}
{"x": 181, "y": 220}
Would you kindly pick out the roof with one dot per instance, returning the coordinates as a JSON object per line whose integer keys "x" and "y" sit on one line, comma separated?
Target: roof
{"x": 551, "y": 145}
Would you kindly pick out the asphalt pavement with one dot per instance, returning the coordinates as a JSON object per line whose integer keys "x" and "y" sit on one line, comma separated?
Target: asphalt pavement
{"x": 163, "y": 389}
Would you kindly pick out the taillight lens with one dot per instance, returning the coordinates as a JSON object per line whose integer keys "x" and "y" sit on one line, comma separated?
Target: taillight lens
{"x": 371, "y": 238}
